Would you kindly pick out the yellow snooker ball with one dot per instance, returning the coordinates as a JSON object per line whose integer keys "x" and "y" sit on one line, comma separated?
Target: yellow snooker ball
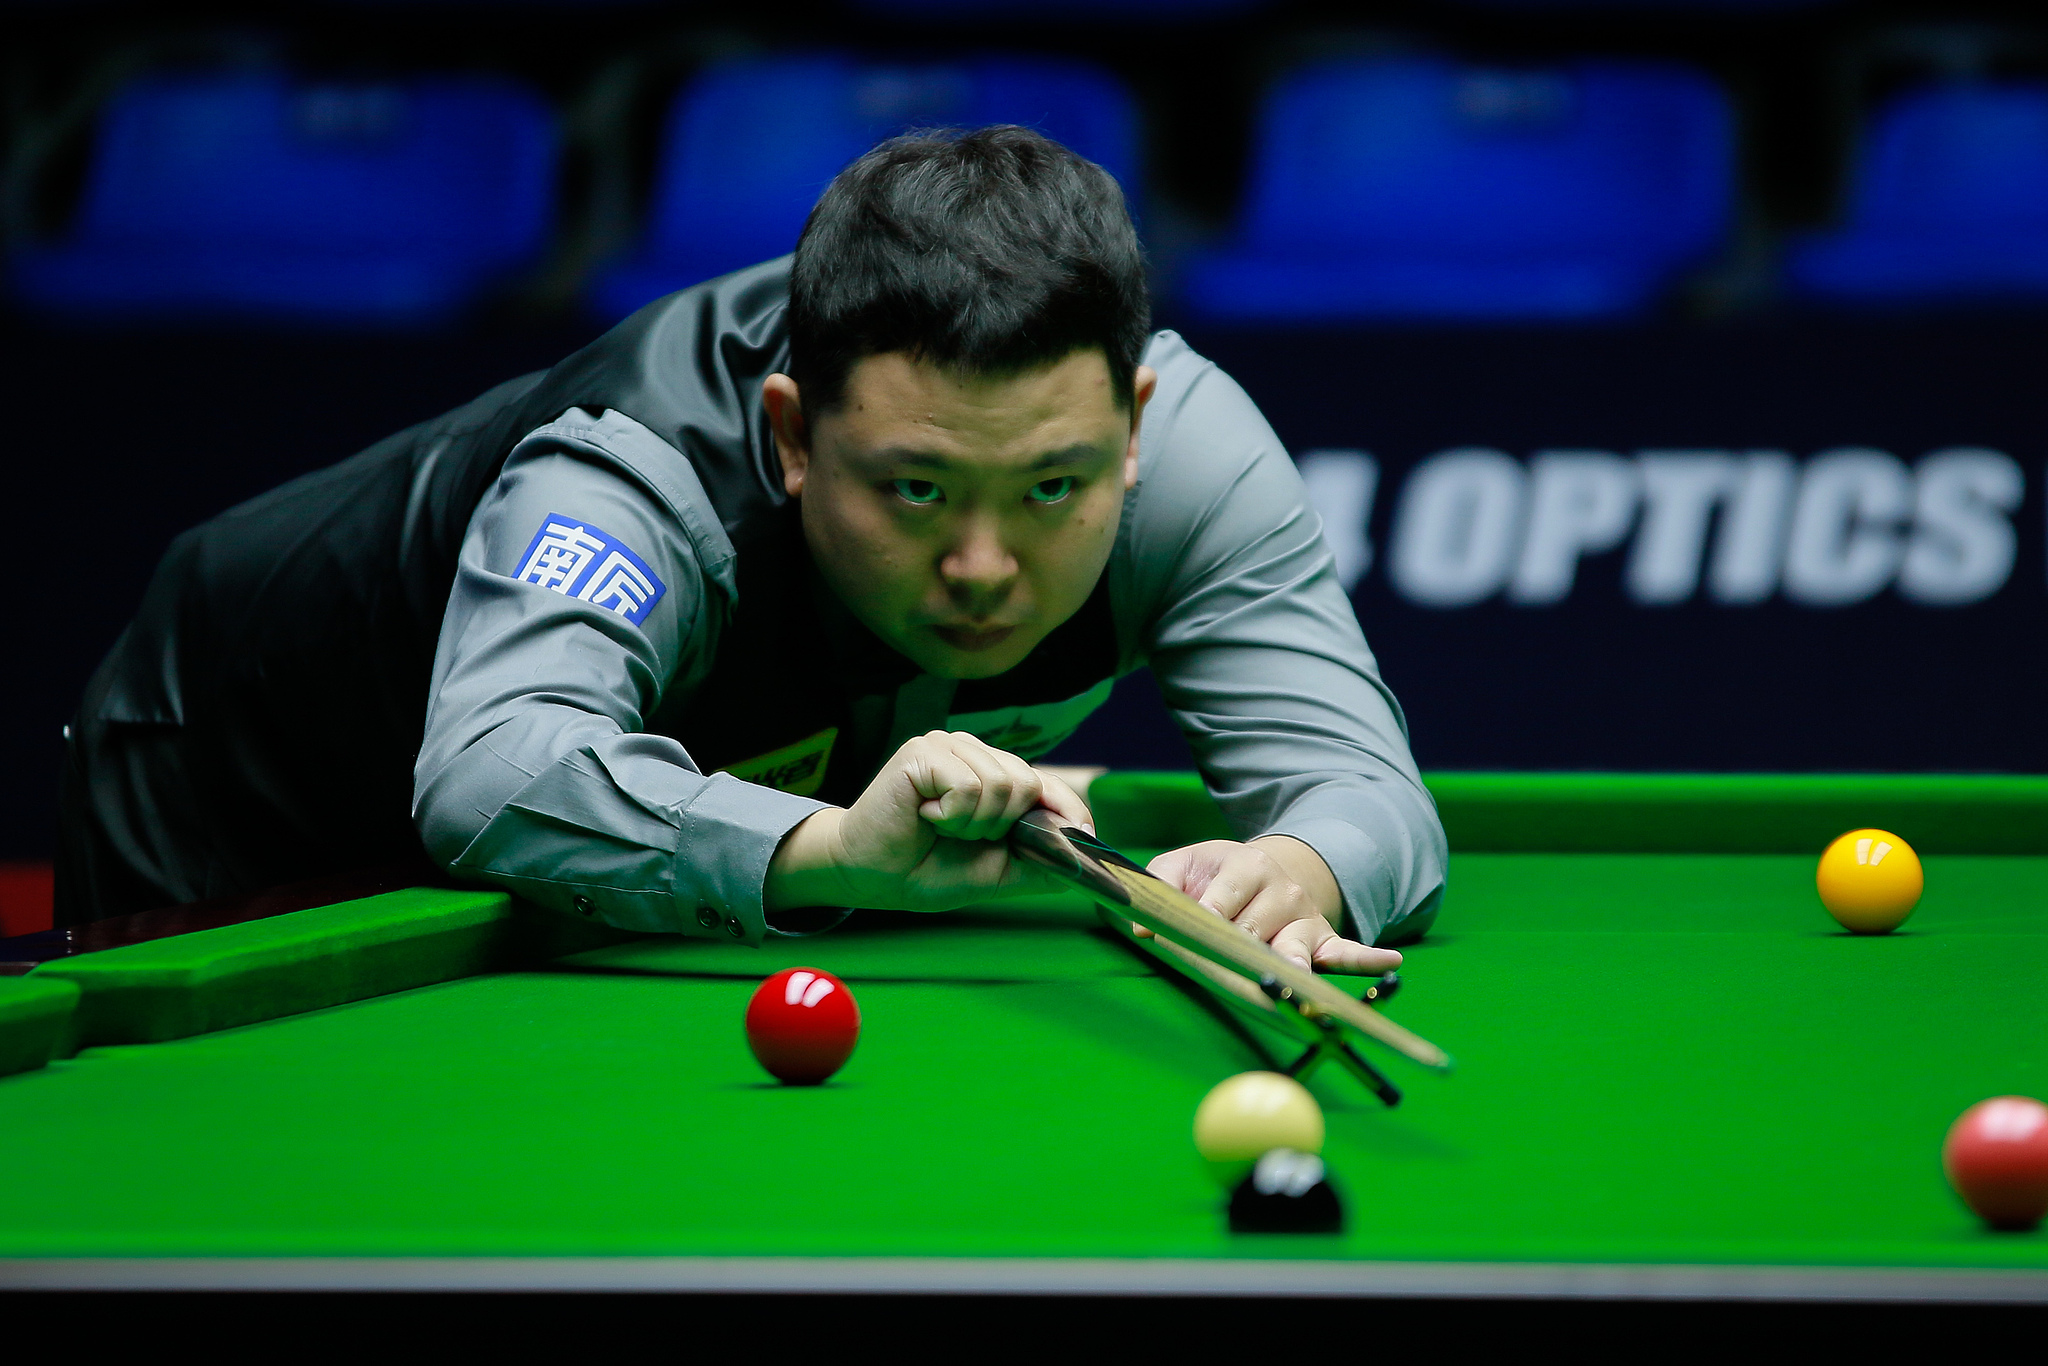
{"x": 1870, "y": 880}
{"x": 1247, "y": 1116}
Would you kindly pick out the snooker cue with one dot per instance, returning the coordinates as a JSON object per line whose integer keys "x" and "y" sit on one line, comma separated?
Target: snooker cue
{"x": 1222, "y": 979}
{"x": 1237, "y": 992}
{"x": 1108, "y": 877}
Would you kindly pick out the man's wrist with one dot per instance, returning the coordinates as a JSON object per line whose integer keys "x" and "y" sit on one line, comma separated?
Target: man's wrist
{"x": 805, "y": 868}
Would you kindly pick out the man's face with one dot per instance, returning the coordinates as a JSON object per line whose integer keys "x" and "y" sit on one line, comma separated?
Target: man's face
{"x": 962, "y": 517}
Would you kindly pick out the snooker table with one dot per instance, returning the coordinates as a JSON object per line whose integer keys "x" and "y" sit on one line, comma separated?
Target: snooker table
{"x": 1676, "y": 1080}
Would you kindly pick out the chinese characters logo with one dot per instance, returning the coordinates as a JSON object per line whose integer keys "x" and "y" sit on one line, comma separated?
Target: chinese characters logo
{"x": 580, "y": 561}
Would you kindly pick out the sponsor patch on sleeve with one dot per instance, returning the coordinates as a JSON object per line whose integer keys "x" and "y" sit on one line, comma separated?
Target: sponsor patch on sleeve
{"x": 580, "y": 561}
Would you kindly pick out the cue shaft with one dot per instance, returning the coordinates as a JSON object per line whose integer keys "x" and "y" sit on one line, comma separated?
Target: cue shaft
{"x": 1241, "y": 993}
{"x": 1179, "y": 918}
{"x": 1216, "y": 975}
{"x": 1156, "y": 906}
{"x": 1238, "y": 990}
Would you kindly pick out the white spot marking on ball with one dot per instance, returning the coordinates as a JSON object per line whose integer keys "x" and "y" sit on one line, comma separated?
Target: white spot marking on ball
{"x": 793, "y": 989}
{"x": 1284, "y": 1169}
{"x": 1863, "y": 851}
{"x": 817, "y": 992}
{"x": 1877, "y": 855}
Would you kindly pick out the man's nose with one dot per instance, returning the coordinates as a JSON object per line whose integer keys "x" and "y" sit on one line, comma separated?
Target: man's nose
{"x": 978, "y": 569}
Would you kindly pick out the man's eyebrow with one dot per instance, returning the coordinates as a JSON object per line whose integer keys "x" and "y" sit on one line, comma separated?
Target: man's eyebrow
{"x": 1080, "y": 453}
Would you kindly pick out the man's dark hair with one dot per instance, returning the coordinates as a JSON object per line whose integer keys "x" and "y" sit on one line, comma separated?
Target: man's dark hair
{"x": 988, "y": 252}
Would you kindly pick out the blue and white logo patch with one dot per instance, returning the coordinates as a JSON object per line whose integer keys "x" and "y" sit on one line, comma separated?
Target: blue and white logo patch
{"x": 580, "y": 561}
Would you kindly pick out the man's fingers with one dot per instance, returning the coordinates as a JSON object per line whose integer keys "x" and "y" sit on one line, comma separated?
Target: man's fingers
{"x": 1243, "y": 874}
{"x": 963, "y": 871}
{"x": 1312, "y": 943}
{"x": 1193, "y": 867}
{"x": 1027, "y": 793}
{"x": 972, "y": 790}
{"x": 1060, "y": 799}
{"x": 1186, "y": 868}
{"x": 979, "y": 791}
{"x": 1298, "y": 940}
{"x": 949, "y": 785}
{"x": 1277, "y": 904}
{"x": 1171, "y": 867}
{"x": 999, "y": 789}
{"x": 1256, "y": 893}
{"x": 1338, "y": 954}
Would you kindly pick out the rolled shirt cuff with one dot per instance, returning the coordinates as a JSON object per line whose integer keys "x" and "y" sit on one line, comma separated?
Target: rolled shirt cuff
{"x": 692, "y": 864}
{"x": 728, "y": 834}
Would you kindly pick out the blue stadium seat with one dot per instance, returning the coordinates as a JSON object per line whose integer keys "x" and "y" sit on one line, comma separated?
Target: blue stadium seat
{"x": 750, "y": 144}
{"x": 1950, "y": 201}
{"x": 246, "y": 194}
{"x": 1414, "y": 188}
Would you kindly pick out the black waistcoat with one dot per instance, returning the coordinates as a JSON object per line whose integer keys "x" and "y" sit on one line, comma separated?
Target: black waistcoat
{"x": 259, "y": 720}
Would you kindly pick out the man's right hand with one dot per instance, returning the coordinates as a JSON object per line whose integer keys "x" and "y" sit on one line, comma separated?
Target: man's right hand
{"x": 927, "y": 835}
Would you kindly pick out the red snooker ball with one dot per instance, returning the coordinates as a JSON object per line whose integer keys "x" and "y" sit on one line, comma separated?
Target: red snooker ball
{"x": 802, "y": 1025}
{"x": 1996, "y": 1156}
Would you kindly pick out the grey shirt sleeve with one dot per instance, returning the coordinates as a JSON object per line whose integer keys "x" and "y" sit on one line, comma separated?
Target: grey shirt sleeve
{"x": 533, "y": 772}
{"x": 1234, "y": 600}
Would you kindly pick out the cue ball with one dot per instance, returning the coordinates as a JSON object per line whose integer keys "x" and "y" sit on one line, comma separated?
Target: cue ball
{"x": 1870, "y": 881}
{"x": 802, "y": 1025}
{"x": 1249, "y": 1115}
{"x": 1996, "y": 1156}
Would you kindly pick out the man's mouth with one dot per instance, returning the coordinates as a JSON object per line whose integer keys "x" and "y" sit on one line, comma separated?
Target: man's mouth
{"x": 971, "y": 640}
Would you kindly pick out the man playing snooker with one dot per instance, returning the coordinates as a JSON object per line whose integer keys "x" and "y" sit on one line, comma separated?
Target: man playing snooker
{"x": 763, "y": 602}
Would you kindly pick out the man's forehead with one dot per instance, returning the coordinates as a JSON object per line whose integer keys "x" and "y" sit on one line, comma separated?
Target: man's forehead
{"x": 1072, "y": 397}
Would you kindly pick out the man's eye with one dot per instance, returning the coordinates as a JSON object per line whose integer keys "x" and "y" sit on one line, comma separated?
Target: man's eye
{"x": 918, "y": 491}
{"x": 1052, "y": 490}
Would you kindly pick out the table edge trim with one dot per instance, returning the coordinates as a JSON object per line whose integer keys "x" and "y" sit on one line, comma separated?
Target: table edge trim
{"x": 1277, "y": 1278}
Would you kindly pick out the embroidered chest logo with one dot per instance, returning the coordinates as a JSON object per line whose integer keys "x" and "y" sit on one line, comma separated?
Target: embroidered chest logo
{"x": 580, "y": 561}
{"x": 1030, "y": 731}
{"x": 797, "y": 768}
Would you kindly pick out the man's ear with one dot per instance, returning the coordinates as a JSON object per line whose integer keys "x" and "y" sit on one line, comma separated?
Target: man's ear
{"x": 785, "y": 411}
{"x": 1144, "y": 383}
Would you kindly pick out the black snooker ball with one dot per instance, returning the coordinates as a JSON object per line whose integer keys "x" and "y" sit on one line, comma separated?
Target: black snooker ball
{"x": 1287, "y": 1192}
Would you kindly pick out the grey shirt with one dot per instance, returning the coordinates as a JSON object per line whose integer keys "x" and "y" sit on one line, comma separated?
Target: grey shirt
{"x": 536, "y": 771}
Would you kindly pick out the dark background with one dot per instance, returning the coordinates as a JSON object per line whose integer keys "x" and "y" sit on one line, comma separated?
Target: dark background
{"x": 121, "y": 437}
{"x": 1599, "y": 682}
